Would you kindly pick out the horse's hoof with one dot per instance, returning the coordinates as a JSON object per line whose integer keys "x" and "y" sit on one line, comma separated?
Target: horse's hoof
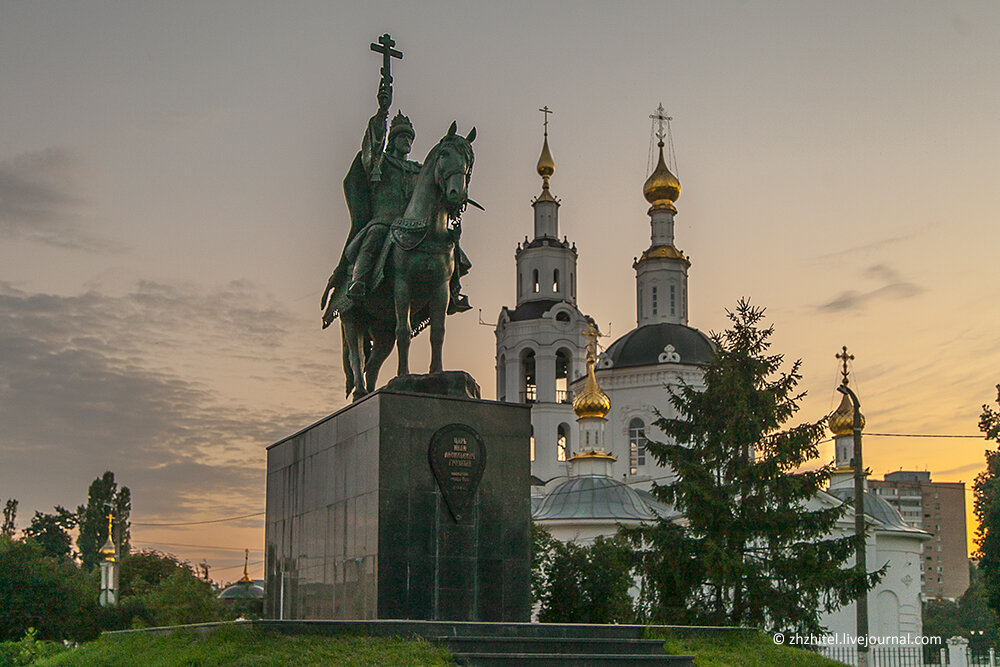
{"x": 358, "y": 395}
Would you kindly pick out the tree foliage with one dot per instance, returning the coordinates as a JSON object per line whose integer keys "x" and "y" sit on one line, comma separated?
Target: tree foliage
{"x": 103, "y": 498}
{"x": 160, "y": 589}
{"x": 969, "y": 616}
{"x": 49, "y": 594}
{"x": 749, "y": 552}
{"x": 51, "y": 532}
{"x": 9, "y": 518}
{"x": 582, "y": 583}
{"x": 987, "y": 508}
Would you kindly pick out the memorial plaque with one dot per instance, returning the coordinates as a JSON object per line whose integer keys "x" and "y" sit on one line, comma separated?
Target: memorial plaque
{"x": 458, "y": 458}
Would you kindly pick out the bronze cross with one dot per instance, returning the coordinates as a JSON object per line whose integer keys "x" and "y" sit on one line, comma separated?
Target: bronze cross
{"x": 592, "y": 333}
{"x": 111, "y": 518}
{"x": 845, "y": 358}
{"x": 545, "y": 110}
{"x": 660, "y": 116}
{"x": 384, "y": 47}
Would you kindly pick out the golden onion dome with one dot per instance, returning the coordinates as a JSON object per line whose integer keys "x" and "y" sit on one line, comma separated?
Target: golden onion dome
{"x": 546, "y": 166}
{"x": 591, "y": 402}
{"x": 108, "y": 550}
{"x": 842, "y": 419}
{"x": 662, "y": 188}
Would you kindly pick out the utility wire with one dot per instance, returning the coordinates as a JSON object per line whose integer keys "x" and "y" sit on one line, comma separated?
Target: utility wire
{"x": 198, "y": 523}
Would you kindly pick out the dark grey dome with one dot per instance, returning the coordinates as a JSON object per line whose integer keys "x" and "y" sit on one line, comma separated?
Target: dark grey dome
{"x": 597, "y": 497}
{"x": 242, "y": 590}
{"x": 647, "y": 346}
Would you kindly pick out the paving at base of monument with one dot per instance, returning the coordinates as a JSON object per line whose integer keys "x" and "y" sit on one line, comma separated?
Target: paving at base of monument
{"x": 479, "y": 644}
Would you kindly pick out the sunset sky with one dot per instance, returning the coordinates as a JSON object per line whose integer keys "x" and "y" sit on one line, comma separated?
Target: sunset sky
{"x": 171, "y": 207}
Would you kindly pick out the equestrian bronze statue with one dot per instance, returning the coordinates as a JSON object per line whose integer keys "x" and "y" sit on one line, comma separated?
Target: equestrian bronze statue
{"x": 400, "y": 268}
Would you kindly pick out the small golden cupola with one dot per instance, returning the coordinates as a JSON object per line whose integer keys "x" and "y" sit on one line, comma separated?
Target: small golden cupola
{"x": 842, "y": 419}
{"x": 546, "y": 165}
{"x": 591, "y": 402}
{"x": 108, "y": 551}
{"x": 662, "y": 188}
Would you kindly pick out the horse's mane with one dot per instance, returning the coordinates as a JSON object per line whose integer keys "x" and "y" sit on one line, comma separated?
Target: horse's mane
{"x": 458, "y": 141}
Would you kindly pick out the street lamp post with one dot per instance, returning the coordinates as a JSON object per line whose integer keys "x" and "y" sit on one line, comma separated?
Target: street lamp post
{"x": 859, "y": 529}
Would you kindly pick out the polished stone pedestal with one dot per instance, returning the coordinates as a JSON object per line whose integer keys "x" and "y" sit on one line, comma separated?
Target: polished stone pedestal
{"x": 358, "y": 526}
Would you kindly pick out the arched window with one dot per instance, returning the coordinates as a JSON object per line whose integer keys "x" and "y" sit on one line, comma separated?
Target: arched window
{"x": 636, "y": 445}
{"x": 534, "y": 279}
{"x": 562, "y": 442}
{"x": 555, "y": 281}
{"x": 655, "y": 305}
{"x": 529, "y": 388}
{"x": 563, "y": 363}
{"x": 519, "y": 284}
{"x": 572, "y": 284}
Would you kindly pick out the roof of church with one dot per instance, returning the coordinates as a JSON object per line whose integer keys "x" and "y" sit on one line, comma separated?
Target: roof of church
{"x": 534, "y": 310}
{"x": 645, "y": 345}
{"x": 878, "y": 509}
{"x": 242, "y": 590}
{"x": 598, "y": 497}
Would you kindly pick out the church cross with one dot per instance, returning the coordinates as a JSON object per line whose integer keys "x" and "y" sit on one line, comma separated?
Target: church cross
{"x": 592, "y": 333}
{"x": 111, "y": 517}
{"x": 384, "y": 46}
{"x": 660, "y": 117}
{"x": 845, "y": 358}
{"x": 545, "y": 110}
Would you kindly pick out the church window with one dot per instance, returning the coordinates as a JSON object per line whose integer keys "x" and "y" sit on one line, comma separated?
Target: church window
{"x": 562, "y": 442}
{"x": 673, "y": 299}
{"x": 555, "y": 281}
{"x": 534, "y": 279}
{"x": 636, "y": 445}
{"x": 519, "y": 283}
{"x": 528, "y": 386}
{"x": 531, "y": 447}
{"x": 654, "y": 300}
{"x": 572, "y": 284}
{"x": 562, "y": 376}
{"x": 562, "y": 316}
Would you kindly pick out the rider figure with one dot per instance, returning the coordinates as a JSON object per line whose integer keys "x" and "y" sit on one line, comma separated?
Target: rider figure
{"x": 391, "y": 178}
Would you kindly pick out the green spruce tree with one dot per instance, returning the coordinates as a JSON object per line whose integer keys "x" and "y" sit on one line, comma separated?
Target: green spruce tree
{"x": 749, "y": 551}
{"x": 103, "y": 498}
{"x": 987, "y": 508}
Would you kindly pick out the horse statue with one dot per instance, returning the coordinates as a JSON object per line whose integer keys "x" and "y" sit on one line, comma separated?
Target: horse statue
{"x": 411, "y": 286}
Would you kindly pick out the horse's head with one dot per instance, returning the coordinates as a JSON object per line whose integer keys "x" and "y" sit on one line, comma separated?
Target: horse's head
{"x": 453, "y": 169}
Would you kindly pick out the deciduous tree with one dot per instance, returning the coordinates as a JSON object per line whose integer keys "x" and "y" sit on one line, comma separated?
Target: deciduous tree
{"x": 987, "y": 508}
{"x": 103, "y": 498}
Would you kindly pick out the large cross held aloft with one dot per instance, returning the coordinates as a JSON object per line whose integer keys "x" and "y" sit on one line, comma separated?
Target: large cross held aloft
{"x": 384, "y": 47}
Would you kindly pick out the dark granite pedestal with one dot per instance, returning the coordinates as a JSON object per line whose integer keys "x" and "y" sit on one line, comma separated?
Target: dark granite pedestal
{"x": 358, "y": 527}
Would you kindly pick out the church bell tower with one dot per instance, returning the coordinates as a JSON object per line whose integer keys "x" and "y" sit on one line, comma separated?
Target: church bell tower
{"x": 541, "y": 348}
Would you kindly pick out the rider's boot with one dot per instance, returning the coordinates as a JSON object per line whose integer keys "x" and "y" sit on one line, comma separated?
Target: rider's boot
{"x": 458, "y": 303}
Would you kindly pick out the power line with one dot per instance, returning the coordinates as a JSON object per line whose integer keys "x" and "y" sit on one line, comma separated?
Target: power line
{"x": 925, "y": 435}
{"x": 194, "y": 546}
{"x": 198, "y": 523}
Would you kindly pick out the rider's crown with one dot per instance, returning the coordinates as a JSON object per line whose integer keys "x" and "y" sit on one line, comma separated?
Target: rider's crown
{"x": 400, "y": 123}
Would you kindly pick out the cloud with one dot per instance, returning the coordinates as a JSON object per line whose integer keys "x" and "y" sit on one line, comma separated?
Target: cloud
{"x": 132, "y": 383}
{"x": 39, "y": 201}
{"x": 894, "y": 288}
{"x": 879, "y": 244}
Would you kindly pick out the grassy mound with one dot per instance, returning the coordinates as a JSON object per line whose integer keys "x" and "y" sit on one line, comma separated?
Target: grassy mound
{"x": 233, "y": 645}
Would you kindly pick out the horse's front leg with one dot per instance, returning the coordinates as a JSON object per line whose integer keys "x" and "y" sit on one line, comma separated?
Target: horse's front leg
{"x": 401, "y": 295}
{"x": 438, "y": 309}
{"x": 353, "y": 341}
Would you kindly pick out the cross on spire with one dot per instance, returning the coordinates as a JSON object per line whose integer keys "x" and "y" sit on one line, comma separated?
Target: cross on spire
{"x": 111, "y": 517}
{"x": 661, "y": 117}
{"x": 844, "y": 357}
{"x": 545, "y": 110}
{"x": 384, "y": 46}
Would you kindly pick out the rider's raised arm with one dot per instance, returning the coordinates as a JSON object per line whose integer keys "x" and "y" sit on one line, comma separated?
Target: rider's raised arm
{"x": 373, "y": 143}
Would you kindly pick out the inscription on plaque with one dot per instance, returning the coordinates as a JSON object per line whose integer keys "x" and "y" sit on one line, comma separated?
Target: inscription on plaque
{"x": 458, "y": 458}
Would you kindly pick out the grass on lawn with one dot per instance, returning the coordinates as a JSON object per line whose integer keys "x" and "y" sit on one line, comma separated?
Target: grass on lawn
{"x": 233, "y": 645}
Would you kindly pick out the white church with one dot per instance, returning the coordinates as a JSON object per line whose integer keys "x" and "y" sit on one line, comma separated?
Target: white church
{"x": 590, "y": 472}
